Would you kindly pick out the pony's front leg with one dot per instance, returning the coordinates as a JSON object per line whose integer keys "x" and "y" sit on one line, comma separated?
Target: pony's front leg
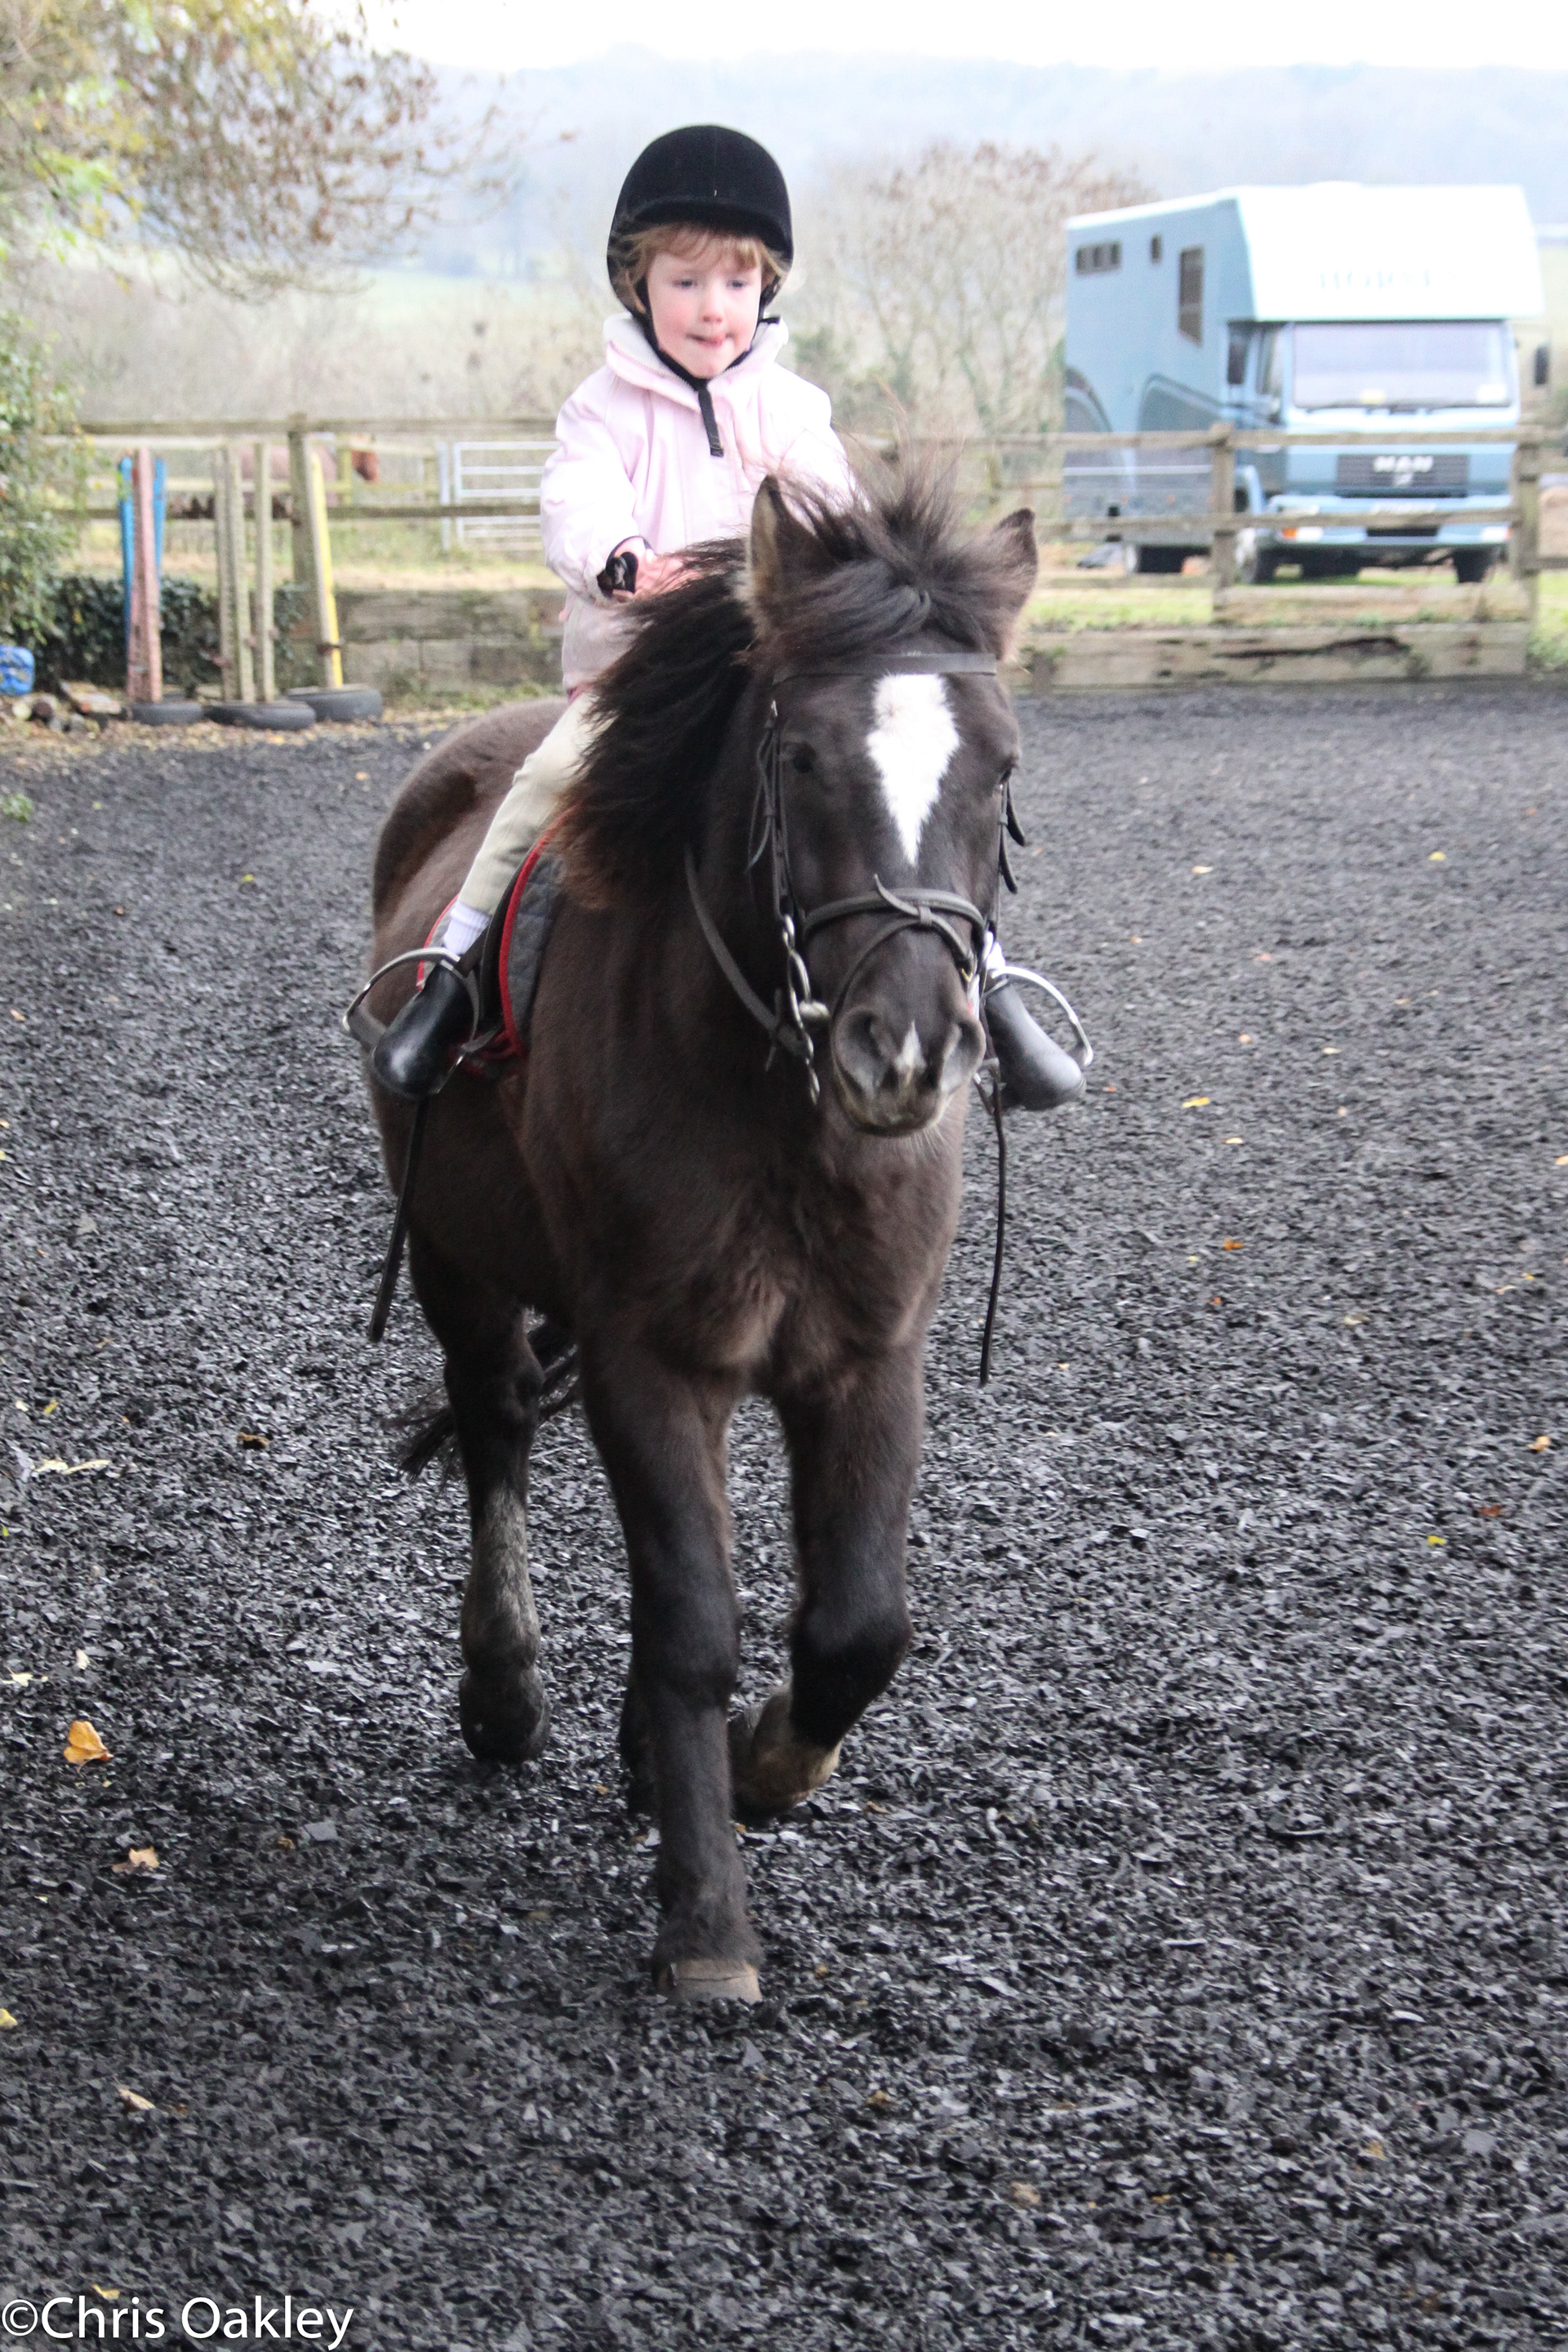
{"x": 854, "y": 1451}
{"x": 661, "y": 1437}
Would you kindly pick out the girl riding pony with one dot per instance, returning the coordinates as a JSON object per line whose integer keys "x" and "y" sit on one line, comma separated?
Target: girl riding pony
{"x": 663, "y": 448}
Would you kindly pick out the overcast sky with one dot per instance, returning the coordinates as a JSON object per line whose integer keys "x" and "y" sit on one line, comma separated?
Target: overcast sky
{"x": 504, "y": 35}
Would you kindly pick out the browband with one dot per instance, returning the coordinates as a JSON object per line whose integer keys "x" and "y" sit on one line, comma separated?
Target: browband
{"x": 933, "y": 662}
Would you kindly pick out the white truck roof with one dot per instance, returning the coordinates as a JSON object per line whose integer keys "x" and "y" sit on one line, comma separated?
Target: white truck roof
{"x": 1337, "y": 250}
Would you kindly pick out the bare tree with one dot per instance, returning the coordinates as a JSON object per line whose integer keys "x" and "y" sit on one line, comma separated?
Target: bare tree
{"x": 939, "y": 284}
{"x": 263, "y": 140}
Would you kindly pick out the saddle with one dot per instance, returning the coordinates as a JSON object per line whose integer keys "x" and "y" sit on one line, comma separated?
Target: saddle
{"x": 508, "y": 961}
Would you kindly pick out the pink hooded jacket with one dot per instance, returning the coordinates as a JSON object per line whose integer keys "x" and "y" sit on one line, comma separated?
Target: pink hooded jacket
{"x": 632, "y": 461}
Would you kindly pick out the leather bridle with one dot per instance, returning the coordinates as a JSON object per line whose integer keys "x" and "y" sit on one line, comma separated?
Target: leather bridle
{"x": 797, "y": 1015}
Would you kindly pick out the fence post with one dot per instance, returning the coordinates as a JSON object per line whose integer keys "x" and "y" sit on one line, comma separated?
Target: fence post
{"x": 227, "y": 620}
{"x": 265, "y": 666}
{"x": 299, "y": 504}
{"x": 144, "y": 657}
{"x": 1222, "y": 500}
{"x": 233, "y": 636}
{"x": 1524, "y": 539}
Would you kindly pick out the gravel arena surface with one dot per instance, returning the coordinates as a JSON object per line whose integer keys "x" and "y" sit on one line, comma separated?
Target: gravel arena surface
{"x": 1176, "y": 1961}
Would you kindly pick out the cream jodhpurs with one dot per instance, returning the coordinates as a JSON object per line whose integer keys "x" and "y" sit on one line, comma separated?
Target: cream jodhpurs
{"x": 528, "y": 807}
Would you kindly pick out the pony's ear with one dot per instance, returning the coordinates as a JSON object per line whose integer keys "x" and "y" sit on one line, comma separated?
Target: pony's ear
{"x": 782, "y": 549}
{"x": 1015, "y": 562}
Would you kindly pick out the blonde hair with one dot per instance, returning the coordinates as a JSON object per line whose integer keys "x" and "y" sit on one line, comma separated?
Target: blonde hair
{"x": 635, "y": 254}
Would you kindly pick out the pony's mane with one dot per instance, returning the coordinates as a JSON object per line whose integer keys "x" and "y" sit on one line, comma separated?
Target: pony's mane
{"x": 847, "y": 580}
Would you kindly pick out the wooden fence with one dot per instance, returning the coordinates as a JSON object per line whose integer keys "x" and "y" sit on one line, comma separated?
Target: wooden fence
{"x": 997, "y": 472}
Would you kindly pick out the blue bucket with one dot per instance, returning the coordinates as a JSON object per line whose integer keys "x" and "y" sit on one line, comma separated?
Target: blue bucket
{"x": 16, "y": 670}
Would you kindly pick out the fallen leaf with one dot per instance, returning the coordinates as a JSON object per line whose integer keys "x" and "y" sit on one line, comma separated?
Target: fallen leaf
{"x": 110, "y": 2294}
{"x": 1233, "y": 1139}
{"x": 1023, "y": 2192}
{"x": 69, "y": 1469}
{"x": 82, "y": 1660}
{"x": 18, "y": 1679}
{"x": 134, "y": 2101}
{"x": 254, "y": 1439}
{"x": 1232, "y": 1244}
{"x": 141, "y": 1857}
{"x": 1203, "y": 869}
{"x": 1196, "y": 1102}
{"x": 1437, "y": 1541}
{"x": 1354, "y": 1322}
{"x": 1218, "y": 1300}
{"x": 1541, "y": 1444}
{"x": 1438, "y": 857}
{"x": 1562, "y": 1161}
{"x": 53, "y": 1406}
{"x": 880, "y": 2099}
{"x": 1244, "y": 1037}
{"x": 6, "y": 2020}
{"x": 1331, "y": 1049}
{"x": 83, "y": 1745}
{"x": 1374, "y": 2151}
{"x": 1488, "y": 1510}
{"x": 820, "y": 1969}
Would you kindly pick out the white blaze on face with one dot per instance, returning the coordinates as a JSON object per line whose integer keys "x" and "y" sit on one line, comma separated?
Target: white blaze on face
{"x": 913, "y": 741}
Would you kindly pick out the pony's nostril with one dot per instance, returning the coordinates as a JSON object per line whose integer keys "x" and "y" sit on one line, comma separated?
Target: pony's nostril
{"x": 961, "y": 1056}
{"x": 898, "y": 1071}
{"x": 865, "y": 1052}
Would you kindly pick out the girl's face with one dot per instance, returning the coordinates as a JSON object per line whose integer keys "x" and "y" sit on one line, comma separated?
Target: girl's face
{"x": 704, "y": 306}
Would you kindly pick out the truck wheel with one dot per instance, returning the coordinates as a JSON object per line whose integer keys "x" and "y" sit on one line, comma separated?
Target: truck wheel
{"x": 1255, "y": 564}
{"x": 1161, "y": 559}
{"x": 1330, "y": 567}
{"x": 1473, "y": 564}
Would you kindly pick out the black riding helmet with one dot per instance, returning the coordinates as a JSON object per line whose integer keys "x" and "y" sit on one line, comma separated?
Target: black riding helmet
{"x": 718, "y": 179}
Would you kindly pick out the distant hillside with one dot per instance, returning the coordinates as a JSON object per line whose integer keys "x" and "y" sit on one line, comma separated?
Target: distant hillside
{"x": 576, "y": 128}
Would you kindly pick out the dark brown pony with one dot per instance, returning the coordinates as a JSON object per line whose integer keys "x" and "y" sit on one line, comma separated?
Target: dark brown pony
{"x": 660, "y": 1185}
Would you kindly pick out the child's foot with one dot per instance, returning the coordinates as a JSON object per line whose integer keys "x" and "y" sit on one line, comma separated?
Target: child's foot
{"x": 1036, "y": 1075}
{"x": 414, "y": 1053}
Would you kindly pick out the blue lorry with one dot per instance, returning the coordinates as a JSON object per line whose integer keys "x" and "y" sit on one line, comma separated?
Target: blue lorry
{"x": 1375, "y": 314}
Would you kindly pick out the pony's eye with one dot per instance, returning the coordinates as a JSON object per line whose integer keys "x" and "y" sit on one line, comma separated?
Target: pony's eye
{"x": 802, "y": 759}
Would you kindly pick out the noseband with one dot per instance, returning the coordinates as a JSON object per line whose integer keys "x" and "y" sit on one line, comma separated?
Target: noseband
{"x": 798, "y": 1012}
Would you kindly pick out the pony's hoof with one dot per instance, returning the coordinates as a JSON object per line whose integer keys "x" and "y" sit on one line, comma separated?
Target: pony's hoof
{"x": 770, "y": 1767}
{"x": 503, "y": 1722}
{"x": 710, "y": 1981}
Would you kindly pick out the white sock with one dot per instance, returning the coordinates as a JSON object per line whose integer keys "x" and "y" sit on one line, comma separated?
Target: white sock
{"x": 463, "y": 927}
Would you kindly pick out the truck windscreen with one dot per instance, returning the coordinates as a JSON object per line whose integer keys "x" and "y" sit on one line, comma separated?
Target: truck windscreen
{"x": 1377, "y": 363}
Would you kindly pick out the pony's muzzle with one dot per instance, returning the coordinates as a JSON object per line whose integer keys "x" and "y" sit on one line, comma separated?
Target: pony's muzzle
{"x": 893, "y": 1070}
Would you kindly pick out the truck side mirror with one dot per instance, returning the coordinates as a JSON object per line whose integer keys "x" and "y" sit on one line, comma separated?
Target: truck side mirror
{"x": 1235, "y": 361}
{"x": 1543, "y": 366}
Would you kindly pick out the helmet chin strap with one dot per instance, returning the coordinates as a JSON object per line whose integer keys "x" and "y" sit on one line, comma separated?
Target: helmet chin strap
{"x": 697, "y": 384}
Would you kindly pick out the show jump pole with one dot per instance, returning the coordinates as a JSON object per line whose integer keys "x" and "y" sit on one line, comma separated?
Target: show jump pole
{"x": 313, "y": 551}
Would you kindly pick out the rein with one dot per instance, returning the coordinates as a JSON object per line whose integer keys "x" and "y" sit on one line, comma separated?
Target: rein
{"x": 797, "y": 1014}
